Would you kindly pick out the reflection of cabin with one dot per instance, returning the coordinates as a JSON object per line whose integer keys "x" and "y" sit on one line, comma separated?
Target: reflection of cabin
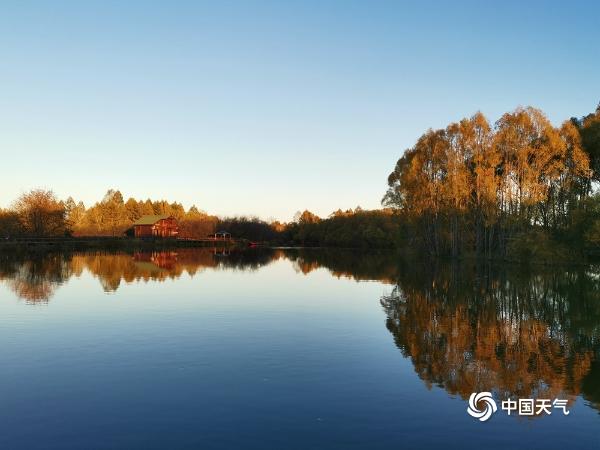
{"x": 155, "y": 260}
{"x": 221, "y": 251}
{"x": 156, "y": 226}
{"x": 220, "y": 236}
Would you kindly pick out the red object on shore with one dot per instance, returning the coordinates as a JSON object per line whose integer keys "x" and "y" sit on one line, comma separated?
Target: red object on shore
{"x": 156, "y": 227}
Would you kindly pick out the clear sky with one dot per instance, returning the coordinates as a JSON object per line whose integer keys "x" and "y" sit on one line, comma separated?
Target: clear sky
{"x": 267, "y": 108}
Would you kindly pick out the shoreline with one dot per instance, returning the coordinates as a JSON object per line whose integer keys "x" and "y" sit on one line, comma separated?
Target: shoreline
{"x": 36, "y": 245}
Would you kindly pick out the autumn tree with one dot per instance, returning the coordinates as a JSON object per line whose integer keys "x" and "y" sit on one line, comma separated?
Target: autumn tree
{"x": 147, "y": 208}
{"x": 589, "y": 128}
{"x": 472, "y": 187}
{"x": 74, "y": 215}
{"x": 177, "y": 211}
{"x": 306, "y": 217}
{"x": 133, "y": 209}
{"x": 196, "y": 224}
{"x": 41, "y": 214}
{"x": 10, "y": 225}
{"x": 108, "y": 216}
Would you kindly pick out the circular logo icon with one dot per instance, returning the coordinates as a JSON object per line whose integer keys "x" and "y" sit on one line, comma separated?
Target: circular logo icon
{"x": 481, "y": 399}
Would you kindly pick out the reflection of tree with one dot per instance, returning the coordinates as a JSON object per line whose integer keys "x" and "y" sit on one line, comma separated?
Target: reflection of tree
{"x": 354, "y": 264}
{"x": 591, "y": 384}
{"x": 521, "y": 335}
{"x": 35, "y": 278}
{"x": 250, "y": 260}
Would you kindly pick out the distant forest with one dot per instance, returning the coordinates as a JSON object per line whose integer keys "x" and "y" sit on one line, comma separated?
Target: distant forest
{"x": 40, "y": 213}
{"x": 516, "y": 189}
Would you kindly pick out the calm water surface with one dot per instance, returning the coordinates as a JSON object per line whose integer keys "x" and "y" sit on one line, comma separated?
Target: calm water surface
{"x": 291, "y": 349}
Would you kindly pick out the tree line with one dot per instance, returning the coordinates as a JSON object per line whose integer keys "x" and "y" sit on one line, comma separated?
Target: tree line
{"x": 514, "y": 188}
{"x": 40, "y": 213}
{"x": 349, "y": 229}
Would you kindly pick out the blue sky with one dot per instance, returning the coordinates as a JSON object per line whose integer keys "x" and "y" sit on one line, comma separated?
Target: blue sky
{"x": 267, "y": 108}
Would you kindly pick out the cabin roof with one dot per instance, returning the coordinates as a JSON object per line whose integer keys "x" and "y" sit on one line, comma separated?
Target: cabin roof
{"x": 150, "y": 220}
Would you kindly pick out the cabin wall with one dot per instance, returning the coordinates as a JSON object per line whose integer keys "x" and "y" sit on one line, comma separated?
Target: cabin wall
{"x": 141, "y": 231}
{"x": 164, "y": 228}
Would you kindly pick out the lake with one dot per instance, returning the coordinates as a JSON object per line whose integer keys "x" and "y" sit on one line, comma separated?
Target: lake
{"x": 288, "y": 348}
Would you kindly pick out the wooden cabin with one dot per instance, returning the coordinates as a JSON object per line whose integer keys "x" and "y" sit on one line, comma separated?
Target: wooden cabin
{"x": 156, "y": 227}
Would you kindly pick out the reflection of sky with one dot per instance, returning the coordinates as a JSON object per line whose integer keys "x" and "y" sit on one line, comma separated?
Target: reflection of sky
{"x": 264, "y": 358}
